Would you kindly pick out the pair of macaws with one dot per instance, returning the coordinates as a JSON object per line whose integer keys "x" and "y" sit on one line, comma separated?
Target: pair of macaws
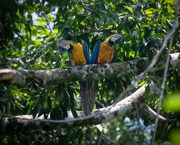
{"x": 79, "y": 54}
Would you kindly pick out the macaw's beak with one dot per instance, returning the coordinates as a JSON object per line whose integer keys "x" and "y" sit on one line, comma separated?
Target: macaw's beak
{"x": 61, "y": 49}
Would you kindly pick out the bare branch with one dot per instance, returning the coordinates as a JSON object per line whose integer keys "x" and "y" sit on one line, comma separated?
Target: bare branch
{"x": 98, "y": 116}
{"x": 95, "y": 30}
{"x": 175, "y": 25}
{"x": 101, "y": 104}
{"x": 78, "y": 73}
{"x": 152, "y": 114}
{"x": 100, "y": 137}
{"x": 162, "y": 90}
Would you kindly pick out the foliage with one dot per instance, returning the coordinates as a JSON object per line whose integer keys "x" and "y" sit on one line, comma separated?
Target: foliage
{"x": 26, "y": 27}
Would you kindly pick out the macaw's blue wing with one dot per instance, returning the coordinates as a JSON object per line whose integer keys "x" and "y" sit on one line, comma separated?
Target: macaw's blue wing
{"x": 88, "y": 91}
{"x": 95, "y": 53}
{"x": 86, "y": 52}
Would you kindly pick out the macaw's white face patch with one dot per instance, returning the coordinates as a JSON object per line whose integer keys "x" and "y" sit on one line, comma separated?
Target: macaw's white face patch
{"x": 65, "y": 45}
{"x": 115, "y": 37}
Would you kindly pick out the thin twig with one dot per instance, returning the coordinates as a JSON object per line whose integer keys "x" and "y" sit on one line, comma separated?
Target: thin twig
{"x": 14, "y": 59}
{"x": 100, "y": 137}
{"x": 151, "y": 113}
{"x": 94, "y": 30}
{"x": 162, "y": 90}
{"x": 137, "y": 113}
{"x": 84, "y": 6}
{"x": 175, "y": 25}
{"x": 40, "y": 52}
{"x": 98, "y": 102}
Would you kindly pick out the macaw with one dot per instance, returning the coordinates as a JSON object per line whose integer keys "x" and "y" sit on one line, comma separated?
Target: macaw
{"x": 78, "y": 55}
{"x": 104, "y": 52}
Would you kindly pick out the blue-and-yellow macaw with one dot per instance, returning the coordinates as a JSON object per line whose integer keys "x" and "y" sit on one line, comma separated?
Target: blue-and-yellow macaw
{"x": 104, "y": 52}
{"x": 78, "y": 55}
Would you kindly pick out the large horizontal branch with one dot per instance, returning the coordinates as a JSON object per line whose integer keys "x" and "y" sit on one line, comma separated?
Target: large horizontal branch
{"x": 78, "y": 73}
{"x": 120, "y": 109}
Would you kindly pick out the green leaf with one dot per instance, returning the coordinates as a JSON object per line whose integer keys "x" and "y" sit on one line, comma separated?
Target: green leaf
{"x": 134, "y": 34}
{"x": 49, "y": 102}
{"x": 106, "y": 20}
{"x": 113, "y": 21}
{"x": 172, "y": 102}
{"x": 175, "y": 136}
{"x": 129, "y": 8}
{"x": 147, "y": 90}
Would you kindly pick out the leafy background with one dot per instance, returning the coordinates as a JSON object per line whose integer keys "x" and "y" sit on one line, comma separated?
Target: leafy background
{"x": 30, "y": 26}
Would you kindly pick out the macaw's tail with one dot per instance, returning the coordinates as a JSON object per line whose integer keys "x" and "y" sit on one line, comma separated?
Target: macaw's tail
{"x": 88, "y": 90}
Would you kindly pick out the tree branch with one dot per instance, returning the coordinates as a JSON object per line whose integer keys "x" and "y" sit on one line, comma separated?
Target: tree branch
{"x": 78, "y": 73}
{"x": 94, "y": 30}
{"x": 162, "y": 90}
{"x": 175, "y": 25}
{"x": 98, "y": 116}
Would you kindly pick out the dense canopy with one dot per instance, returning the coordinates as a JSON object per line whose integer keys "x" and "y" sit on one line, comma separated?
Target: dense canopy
{"x": 31, "y": 69}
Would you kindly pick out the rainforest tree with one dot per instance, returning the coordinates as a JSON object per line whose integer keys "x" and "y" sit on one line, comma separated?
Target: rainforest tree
{"x": 40, "y": 102}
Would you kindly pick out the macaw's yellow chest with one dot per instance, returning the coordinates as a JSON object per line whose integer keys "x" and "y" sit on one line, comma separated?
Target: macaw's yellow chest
{"x": 106, "y": 53}
{"x": 77, "y": 55}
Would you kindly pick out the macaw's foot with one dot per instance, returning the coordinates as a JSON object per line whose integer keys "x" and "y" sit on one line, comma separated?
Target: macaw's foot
{"x": 84, "y": 64}
{"x": 100, "y": 64}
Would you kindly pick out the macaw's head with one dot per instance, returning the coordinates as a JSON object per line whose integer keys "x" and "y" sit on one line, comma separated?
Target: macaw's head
{"x": 115, "y": 38}
{"x": 65, "y": 45}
